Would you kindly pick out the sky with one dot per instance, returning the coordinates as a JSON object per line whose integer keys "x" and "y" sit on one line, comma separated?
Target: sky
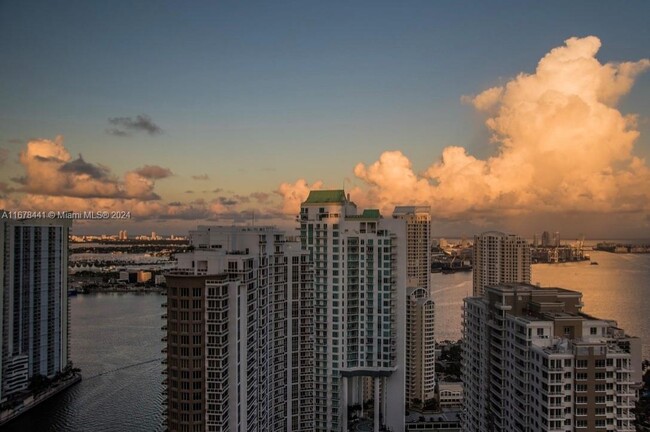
{"x": 516, "y": 116}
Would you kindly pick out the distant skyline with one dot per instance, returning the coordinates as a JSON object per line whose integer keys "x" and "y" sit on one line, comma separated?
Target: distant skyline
{"x": 503, "y": 115}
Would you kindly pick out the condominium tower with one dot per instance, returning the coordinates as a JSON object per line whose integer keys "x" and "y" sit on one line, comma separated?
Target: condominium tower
{"x": 420, "y": 308}
{"x": 240, "y": 333}
{"x": 34, "y": 316}
{"x": 500, "y": 258}
{"x": 360, "y": 312}
{"x": 532, "y": 361}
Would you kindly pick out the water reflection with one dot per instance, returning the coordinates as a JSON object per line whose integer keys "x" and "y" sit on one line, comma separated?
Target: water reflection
{"x": 617, "y": 288}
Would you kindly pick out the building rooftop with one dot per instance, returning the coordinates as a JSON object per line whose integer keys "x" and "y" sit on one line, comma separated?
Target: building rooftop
{"x": 367, "y": 214}
{"x": 404, "y": 210}
{"x": 326, "y": 196}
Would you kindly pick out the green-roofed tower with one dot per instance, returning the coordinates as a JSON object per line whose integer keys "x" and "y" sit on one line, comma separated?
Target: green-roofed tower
{"x": 360, "y": 309}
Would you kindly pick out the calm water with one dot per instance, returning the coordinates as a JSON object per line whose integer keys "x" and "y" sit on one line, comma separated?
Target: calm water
{"x": 618, "y": 288}
{"x": 108, "y": 332}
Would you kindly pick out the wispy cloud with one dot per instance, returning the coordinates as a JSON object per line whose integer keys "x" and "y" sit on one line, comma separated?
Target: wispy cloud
{"x": 201, "y": 177}
{"x": 154, "y": 172}
{"x": 124, "y": 126}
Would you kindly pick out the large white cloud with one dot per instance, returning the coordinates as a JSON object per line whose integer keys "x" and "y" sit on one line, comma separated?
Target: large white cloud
{"x": 562, "y": 146}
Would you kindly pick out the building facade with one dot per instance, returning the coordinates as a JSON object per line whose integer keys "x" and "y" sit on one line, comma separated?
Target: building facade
{"x": 499, "y": 258}
{"x": 532, "y": 361}
{"x": 418, "y": 244}
{"x": 34, "y": 314}
{"x": 420, "y": 382}
{"x": 420, "y": 308}
{"x": 360, "y": 309}
{"x": 239, "y": 352}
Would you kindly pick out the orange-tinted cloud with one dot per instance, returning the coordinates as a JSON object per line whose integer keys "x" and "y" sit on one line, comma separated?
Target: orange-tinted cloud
{"x": 562, "y": 146}
{"x": 51, "y": 170}
{"x": 295, "y": 193}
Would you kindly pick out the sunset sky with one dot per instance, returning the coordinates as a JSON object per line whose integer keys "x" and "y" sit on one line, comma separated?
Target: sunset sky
{"x": 499, "y": 115}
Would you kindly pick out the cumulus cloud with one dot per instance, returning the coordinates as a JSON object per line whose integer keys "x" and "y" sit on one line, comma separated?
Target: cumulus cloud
{"x": 295, "y": 193}
{"x": 562, "y": 146}
{"x": 201, "y": 177}
{"x": 50, "y": 170}
{"x": 123, "y": 126}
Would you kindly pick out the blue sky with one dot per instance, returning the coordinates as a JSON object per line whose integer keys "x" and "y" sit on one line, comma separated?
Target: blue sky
{"x": 258, "y": 93}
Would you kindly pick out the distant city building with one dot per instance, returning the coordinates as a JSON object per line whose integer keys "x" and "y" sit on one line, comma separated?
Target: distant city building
{"x": 34, "y": 315}
{"x": 360, "y": 280}
{"x": 420, "y": 309}
{"x": 143, "y": 276}
{"x": 546, "y": 239}
{"x": 240, "y": 353}
{"x": 122, "y": 235}
{"x": 499, "y": 258}
{"x": 532, "y": 361}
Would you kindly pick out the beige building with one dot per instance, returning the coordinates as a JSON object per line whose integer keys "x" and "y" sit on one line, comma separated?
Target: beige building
{"x": 532, "y": 361}
{"x": 499, "y": 258}
{"x": 451, "y": 394}
{"x": 420, "y": 383}
{"x": 418, "y": 243}
{"x": 420, "y": 379}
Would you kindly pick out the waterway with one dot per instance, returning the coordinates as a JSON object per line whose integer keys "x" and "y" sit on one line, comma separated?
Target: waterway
{"x": 617, "y": 288}
{"x": 115, "y": 340}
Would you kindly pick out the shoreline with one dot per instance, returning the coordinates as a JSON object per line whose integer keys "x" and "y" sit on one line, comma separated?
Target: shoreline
{"x": 33, "y": 401}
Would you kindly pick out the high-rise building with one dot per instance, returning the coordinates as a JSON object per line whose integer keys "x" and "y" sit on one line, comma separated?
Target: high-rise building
{"x": 532, "y": 361}
{"x": 418, "y": 244}
{"x": 360, "y": 309}
{"x": 239, "y": 353}
{"x": 420, "y": 381}
{"x": 34, "y": 315}
{"x": 500, "y": 258}
{"x": 546, "y": 239}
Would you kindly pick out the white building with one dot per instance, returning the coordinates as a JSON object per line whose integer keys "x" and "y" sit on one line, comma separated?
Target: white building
{"x": 420, "y": 308}
{"x": 499, "y": 258}
{"x": 360, "y": 309}
{"x": 532, "y": 361}
{"x": 240, "y": 333}
{"x": 34, "y": 316}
